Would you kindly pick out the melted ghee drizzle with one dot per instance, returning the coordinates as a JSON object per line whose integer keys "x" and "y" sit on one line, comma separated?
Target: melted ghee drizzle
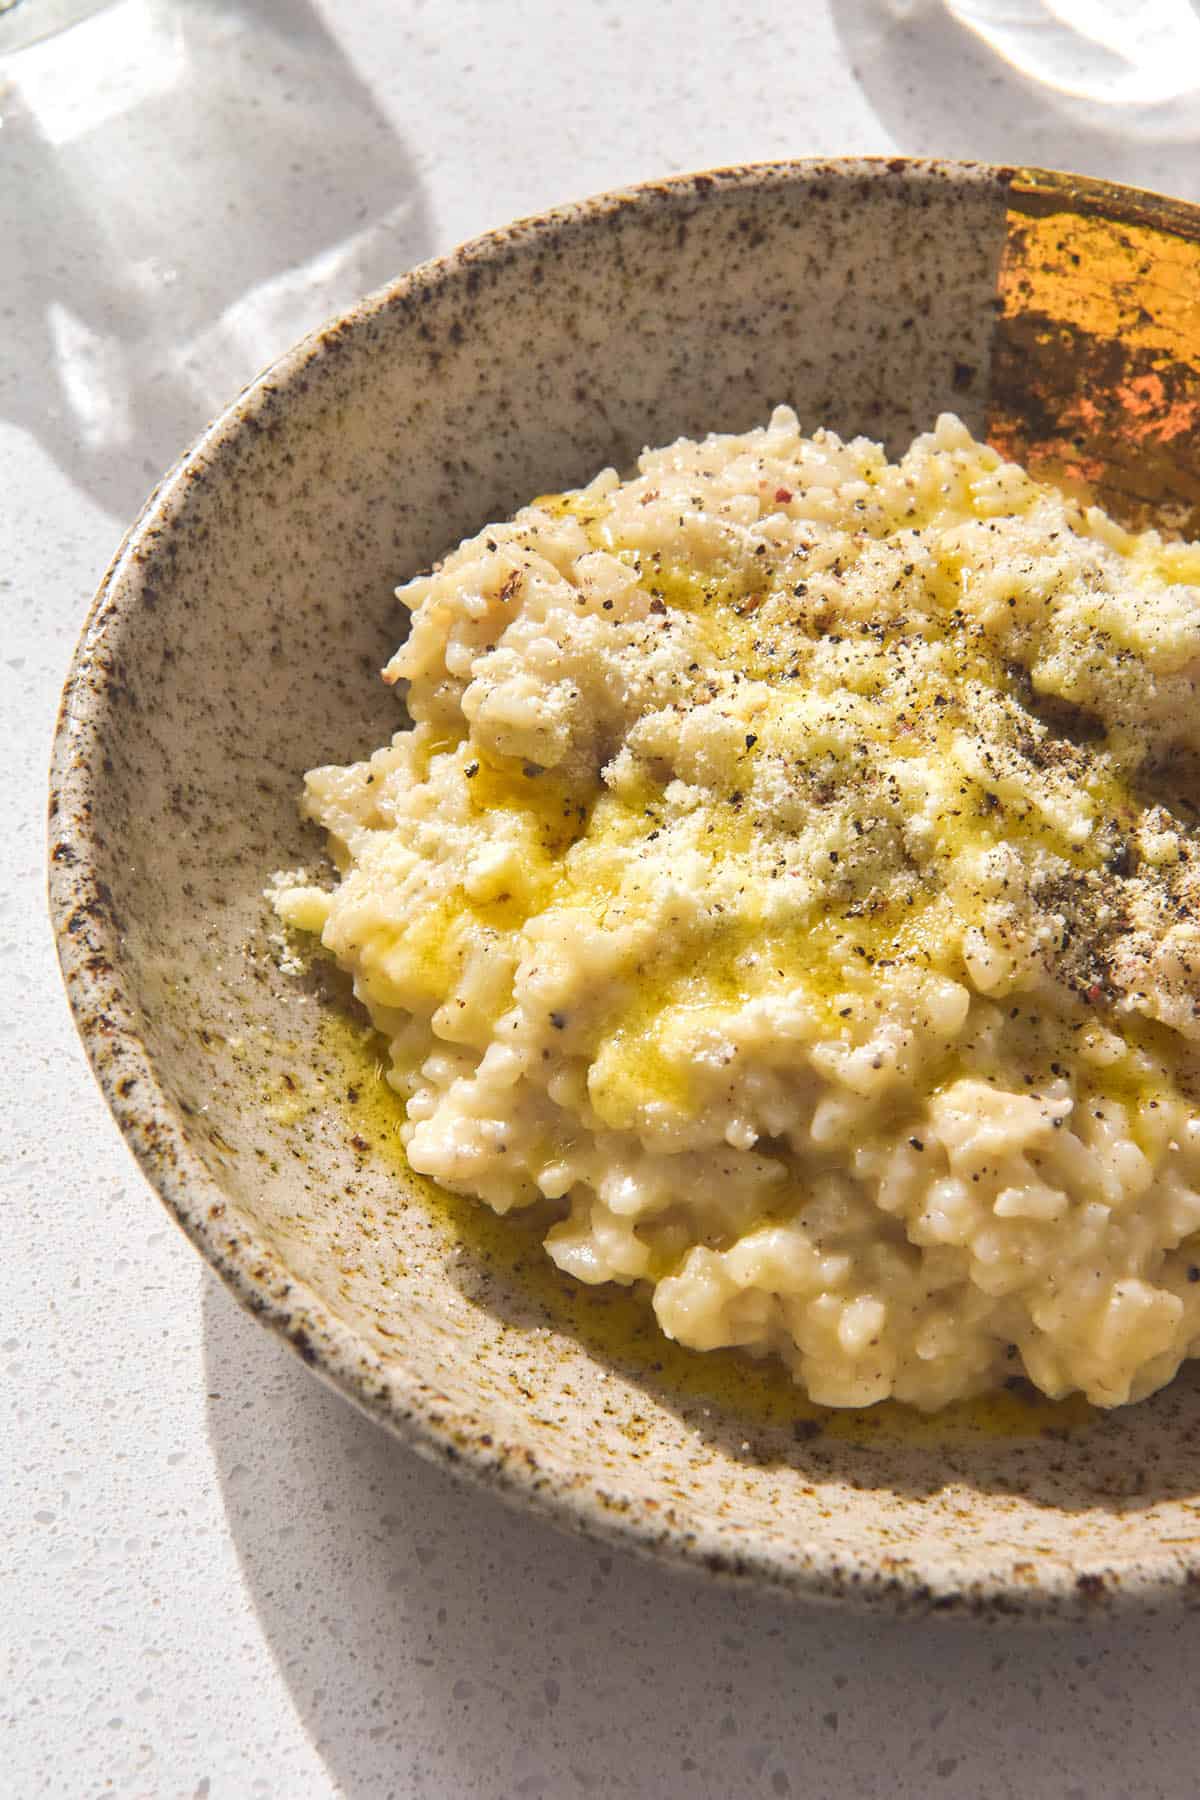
{"x": 616, "y": 1326}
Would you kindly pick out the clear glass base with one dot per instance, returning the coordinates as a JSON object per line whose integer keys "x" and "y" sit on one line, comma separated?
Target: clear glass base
{"x": 1117, "y": 52}
{"x": 25, "y": 22}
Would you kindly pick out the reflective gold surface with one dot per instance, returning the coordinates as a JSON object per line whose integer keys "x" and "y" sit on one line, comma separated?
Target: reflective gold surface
{"x": 1096, "y": 359}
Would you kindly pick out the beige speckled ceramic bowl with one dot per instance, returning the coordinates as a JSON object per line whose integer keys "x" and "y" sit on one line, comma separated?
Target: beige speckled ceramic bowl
{"x": 235, "y": 642}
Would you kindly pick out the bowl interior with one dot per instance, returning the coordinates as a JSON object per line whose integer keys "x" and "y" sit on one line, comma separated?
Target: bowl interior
{"x": 237, "y": 642}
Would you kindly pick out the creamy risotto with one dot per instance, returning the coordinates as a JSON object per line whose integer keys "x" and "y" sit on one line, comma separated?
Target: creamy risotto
{"x": 791, "y": 873}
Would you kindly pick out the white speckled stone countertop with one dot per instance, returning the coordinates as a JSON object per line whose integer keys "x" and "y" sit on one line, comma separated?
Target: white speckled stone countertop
{"x": 215, "y": 1579}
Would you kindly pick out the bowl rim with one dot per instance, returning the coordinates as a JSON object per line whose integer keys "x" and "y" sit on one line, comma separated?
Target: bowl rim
{"x": 87, "y": 937}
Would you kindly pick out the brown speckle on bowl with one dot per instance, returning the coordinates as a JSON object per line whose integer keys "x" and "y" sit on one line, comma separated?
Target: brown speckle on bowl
{"x": 227, "y": 651}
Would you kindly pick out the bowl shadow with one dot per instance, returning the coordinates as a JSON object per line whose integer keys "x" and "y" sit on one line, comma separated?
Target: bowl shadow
{"x": 434, "y": 1641}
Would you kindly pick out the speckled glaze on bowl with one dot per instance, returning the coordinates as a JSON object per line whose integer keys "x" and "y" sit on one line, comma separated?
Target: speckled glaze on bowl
{"x": 235, "y": 643}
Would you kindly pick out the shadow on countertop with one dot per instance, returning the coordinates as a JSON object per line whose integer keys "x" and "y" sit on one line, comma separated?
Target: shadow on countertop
{"x": 435, "y": 1642}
